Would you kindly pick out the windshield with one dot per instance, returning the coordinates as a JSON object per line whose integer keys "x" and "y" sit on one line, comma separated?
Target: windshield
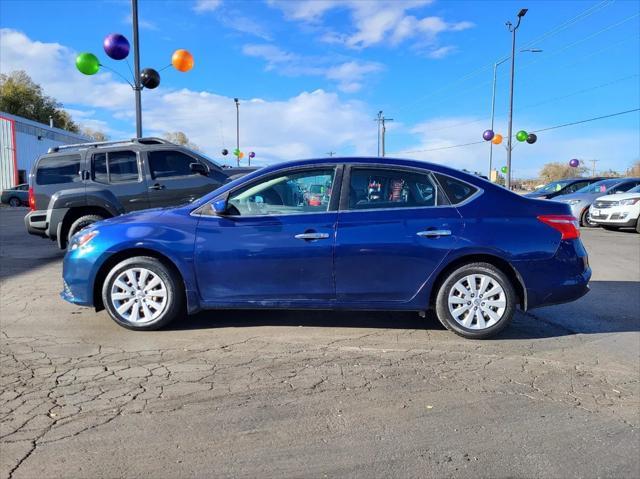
{"x": 634, "y": 190}
{"x": 553, "y": 186}
{"x": 599, "y": 186}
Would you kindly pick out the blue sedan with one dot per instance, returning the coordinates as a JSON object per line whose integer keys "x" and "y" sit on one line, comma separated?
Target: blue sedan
{"x": 347, "y": 233}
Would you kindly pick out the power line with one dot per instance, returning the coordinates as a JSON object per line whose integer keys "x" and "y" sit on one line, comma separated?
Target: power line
{"x": 533, "y": 131}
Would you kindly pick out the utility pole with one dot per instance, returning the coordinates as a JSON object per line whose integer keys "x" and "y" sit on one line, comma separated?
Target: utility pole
{"x": 137, "y": 88}
{"x": 237, "y": 129}
{"x": 593, "y": 167}
{"x": 379, "y": 121}
{"x": 384, "y": 131}
{"x": 331, "y": 153}
{"x": 512, "y": 29}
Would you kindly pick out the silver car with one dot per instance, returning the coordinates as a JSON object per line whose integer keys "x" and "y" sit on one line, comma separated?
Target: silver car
{"x": 581, "y": 200}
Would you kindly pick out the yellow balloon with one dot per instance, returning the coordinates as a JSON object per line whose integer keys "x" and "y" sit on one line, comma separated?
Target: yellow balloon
{"x": 497, "y": 139}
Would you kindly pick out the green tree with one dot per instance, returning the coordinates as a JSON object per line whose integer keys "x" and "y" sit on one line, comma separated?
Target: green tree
{"x": 180, "y": 138}
{"x": 557, "y": 171}
{"x": 20, "y": 95}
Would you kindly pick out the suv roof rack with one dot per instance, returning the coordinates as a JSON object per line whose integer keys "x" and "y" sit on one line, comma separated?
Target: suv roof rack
{"x": 151, "y": 140}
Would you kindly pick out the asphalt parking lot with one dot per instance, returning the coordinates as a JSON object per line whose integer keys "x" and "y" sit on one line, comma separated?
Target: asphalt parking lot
{"x": 317, "y": 394}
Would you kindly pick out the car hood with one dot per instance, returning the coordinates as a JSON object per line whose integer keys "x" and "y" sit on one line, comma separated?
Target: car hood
{"x": 577, "y": 196}
{"x": 618, "y": 197}
{"x": 136, "y": 217}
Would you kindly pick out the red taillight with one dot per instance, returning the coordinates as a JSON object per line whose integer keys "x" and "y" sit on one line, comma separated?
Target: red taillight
{"x": 32, "y": 200}
{"x": 567, "y": 225}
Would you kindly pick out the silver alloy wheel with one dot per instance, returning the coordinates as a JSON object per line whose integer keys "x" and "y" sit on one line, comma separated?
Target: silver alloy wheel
{"x": 139, "y": 295}
{"x": 477, "y": 301}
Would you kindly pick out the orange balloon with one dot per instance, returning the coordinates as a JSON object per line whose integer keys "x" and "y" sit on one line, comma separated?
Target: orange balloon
{"x": 497, "y": 139}
{"x": 182, "y": 60}
{"x": 241, "y": 155}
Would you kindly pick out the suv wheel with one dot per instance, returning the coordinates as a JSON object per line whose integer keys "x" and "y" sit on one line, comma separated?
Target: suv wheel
{"x": 15, "y": 202}
{"x": 476, "y": 301}
{"x": 141, "y": 293}
{"x": 82, "y": 223}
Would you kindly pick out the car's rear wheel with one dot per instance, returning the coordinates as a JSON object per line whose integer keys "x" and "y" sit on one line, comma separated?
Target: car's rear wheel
{"x": 142, "y": 293}
{"x": 15, "y": 202}
{"x": 476, "y": 301}
{"x": 585, "y": 219}
{"x": 81, "y": 223}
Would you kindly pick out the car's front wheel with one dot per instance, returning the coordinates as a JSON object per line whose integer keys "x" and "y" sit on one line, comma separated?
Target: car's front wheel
{"x": 476, "y": 301}
{"x": 15, "y": 202}
{"x": 586, "y": 221}
{"x": 142, "y": 293}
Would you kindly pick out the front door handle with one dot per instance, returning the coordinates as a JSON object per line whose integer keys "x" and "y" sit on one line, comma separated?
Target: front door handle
{"x": 157, "y": 186}
{"x": 433, "y": 233}
{"x": 311, "y": 236}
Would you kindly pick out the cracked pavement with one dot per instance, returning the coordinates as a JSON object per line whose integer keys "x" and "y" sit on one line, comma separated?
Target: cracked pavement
{"x": 290, "y": 394}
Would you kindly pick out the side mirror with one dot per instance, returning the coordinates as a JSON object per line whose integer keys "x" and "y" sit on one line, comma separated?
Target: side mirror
{"x": 199, "y": 168}
{"x": 220, "y": 207}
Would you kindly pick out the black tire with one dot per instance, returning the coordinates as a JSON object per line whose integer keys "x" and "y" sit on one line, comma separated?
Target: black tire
{"x": 81, "y": 223}
{"x": 175, "y": 302}
{"x": 638, "y": 225}
{"x": 585, "y": 219}
{"x": 15, "y": 202}
{"x": 497, "y": 277}
{"x": 611, "y": 228}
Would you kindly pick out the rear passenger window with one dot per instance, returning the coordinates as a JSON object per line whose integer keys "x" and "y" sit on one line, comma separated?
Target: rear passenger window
{"x": 456, "y": 190}
{"x": 115, "y": 167}
{"x": 165, "y": 164}
{"x": 58, "y": 169}
{"x": 373, "y": 188}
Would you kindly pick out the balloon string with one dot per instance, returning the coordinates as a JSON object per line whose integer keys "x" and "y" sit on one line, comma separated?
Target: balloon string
{"x": 117, "y": 73}
{"x": 130, "y": 70}
{"x": 164, "y": 68}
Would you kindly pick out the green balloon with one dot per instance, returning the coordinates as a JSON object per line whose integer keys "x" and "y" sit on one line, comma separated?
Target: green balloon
{"x": 521, "y": 135}
{"x": 87, "y": 63}
{"x": 504, "y": 169}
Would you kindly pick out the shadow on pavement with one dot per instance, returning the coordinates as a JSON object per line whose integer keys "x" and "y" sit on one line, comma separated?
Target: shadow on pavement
{"x": 593, "y": 314}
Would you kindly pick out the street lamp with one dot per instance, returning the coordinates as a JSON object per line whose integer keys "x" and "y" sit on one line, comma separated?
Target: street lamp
{"x": 512, "y": 29}
{"x": 493, "y": 99}
{"x": 237, "y": 129}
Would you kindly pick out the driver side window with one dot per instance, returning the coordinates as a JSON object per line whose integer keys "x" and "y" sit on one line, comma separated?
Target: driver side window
{"x": 291, "y": 193}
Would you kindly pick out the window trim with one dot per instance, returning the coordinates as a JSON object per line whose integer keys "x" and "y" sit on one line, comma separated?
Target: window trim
{"x": 333, "y": 204}
{"x": 172, "y": 150}
{"x": 346, "y": 185}
{"x": 109, "y": 182}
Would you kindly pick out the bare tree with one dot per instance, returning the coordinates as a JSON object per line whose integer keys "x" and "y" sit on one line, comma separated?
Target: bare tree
{"x": 634, "y": 170}
{"x": 180, "y": 138}
{"x": 558, "y": 171}
{"x": 95, "y": 135}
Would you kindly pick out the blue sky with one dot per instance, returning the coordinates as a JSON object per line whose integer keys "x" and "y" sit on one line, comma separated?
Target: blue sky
{"x": 311, "y": 75}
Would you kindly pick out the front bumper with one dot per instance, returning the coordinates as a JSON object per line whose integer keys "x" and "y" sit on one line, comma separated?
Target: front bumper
{"x": 615, "y": 216}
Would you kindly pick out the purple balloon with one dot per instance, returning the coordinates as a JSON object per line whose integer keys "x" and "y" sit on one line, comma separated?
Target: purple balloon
{"x": 252, "y": 155}
{"x": 574, "y": 163}
{"x": 488, "y": 135}
{"x": 116, "y": 46}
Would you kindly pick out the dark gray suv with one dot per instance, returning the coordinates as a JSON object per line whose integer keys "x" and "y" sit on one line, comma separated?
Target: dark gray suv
{"x": 73, "y": 186}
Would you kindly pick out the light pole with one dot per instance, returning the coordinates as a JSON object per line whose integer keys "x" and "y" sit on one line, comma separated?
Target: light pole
{"x": 237, "y": 129}
{"x": 493, "y": 100}
{"x": 512, "y": 29}
{"x": 137, "y": 88}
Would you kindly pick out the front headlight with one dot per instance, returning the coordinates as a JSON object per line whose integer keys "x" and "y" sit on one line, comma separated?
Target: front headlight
{"x": 78, "y": 241}
{"x": 572, "y": 202}
{"x": 630, "y": 201}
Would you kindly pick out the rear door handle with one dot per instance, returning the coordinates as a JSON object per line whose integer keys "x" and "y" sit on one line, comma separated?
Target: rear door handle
{"x": 311, "y": 236}
{"x": 157, "y": 186}
{"x": 433, "y": 233}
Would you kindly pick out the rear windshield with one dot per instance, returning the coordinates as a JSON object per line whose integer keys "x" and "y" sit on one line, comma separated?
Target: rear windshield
{"x": 58, "y": 169}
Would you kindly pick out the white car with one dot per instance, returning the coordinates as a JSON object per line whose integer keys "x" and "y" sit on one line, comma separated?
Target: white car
{"x": 621, "y": 210}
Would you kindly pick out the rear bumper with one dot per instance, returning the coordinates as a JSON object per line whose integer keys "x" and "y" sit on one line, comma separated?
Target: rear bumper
{"x": 36, "y": 223}
{"x": 561, "y": 279}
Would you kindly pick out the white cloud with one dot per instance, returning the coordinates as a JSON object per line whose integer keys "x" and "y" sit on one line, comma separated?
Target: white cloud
{"x": 142, "y": 23}
{"x": 206, "y": 5}
{"x": 348, "y": 74}
{"x": 375, "y": 22}
{"x": 441, "y": 52}
{"x": 306, "y": 125}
